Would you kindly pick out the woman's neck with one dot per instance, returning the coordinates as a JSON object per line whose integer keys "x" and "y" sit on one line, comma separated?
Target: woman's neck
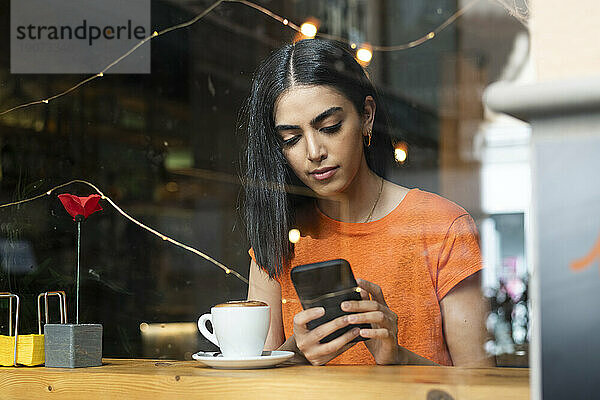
{"x": 357, "y": 201}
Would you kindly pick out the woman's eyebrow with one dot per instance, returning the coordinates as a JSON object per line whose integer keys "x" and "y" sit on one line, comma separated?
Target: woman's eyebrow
{"x": 325, "y": 114}
{"x": 313, "y": 122}
{"x": 280, "y": 128}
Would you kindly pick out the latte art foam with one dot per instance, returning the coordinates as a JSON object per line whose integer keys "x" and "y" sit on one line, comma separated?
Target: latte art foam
{"x": 242, "y": 303}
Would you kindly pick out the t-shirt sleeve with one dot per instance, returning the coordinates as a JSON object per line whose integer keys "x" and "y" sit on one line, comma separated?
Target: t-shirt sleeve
{"x": 252, "y": 256}
{"x": 460, "y": 255}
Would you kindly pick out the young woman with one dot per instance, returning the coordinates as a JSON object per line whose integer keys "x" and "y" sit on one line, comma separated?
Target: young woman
{"x": 311, "y": 119}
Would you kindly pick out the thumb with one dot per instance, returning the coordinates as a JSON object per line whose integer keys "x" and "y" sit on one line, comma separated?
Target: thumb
{"x": 373, "y": 289}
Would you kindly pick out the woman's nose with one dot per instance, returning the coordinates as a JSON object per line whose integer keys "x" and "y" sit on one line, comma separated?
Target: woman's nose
{"x": 315, "y": 148}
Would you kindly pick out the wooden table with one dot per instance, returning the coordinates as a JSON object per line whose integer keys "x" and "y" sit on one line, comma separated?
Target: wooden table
{"x": 158, "y": 379}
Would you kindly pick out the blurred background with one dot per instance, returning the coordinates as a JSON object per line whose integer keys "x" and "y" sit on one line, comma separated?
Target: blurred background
{"x": 165, "y": 146}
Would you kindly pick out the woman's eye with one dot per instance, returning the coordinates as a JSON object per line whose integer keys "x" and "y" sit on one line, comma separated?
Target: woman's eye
{"x": 291, "y": 141}
{"x": 332, "y": 128}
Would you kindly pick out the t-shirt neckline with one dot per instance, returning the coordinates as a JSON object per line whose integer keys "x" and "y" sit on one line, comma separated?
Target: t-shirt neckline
{"x": 364, "y": 226}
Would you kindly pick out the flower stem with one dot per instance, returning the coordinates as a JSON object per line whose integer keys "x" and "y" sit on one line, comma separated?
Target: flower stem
{"x": 78, "y": 251}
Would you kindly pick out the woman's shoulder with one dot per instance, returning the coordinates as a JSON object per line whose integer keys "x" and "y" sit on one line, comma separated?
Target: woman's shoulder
{"x": 430, "y": 206}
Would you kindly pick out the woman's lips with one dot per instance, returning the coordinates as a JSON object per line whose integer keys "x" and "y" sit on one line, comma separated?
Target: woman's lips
{"x": 325, "y": 174}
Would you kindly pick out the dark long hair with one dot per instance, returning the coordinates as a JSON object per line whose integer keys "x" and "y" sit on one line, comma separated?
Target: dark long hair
{"x": 269, "y": 211}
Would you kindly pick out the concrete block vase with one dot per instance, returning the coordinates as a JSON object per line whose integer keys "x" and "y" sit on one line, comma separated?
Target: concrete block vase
{"x": 73, "y": 345}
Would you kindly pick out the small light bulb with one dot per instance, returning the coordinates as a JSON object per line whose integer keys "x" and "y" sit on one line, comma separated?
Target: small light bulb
{"x": 49, "y": 192}
{"x": 154, "y": 33}
{"x": 431, "y": 35}
{"x": 101, "y": 74}
{"x": 400, "y": 155}
{"x": 353, "y": 45}
{"x": 401, "y": 152}
{"x": 294, "y": 235}
{"x": 45, "y": 101}
{"x": 308, "y": 29}
{"x": 285, "y": 21}
{"x": 283, "y": 301}
{"x": 365, "y": 55}
{"x": 227, "y": 271}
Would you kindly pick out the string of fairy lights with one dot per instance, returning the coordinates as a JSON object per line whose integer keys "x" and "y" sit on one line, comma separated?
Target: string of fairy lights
{"x": 309, "y": 29}
{"x": 135, "y": 221}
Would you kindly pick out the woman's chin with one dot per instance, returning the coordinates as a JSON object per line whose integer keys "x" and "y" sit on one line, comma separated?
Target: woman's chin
{"x": 329, "y": 190}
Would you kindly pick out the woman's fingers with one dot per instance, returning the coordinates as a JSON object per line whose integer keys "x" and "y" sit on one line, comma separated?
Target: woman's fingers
{"x": 305, "y": 316}
{"x": 361, "y": 305}
{"x": 339, "y": 342}
{"x": 328, "y": 328}
{"x": 323, "y": 353}
{"x": 321, "y": 331}
{"x": 308, "y": 341}
{"x": 376, "y": 317}
{"x": 380, "y": 333}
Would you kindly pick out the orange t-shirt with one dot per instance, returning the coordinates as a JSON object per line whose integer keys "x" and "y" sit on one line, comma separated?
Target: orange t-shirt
{"x": 416, "y": 254}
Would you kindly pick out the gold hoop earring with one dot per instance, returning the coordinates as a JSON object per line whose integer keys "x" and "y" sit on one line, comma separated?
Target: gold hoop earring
{"x": 368, "y": 141}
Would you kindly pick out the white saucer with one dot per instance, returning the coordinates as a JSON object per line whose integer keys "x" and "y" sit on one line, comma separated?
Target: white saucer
{"x": 266, "y": 360}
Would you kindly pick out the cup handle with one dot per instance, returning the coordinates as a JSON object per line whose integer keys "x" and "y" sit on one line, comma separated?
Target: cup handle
{"x": 204, "y": 330}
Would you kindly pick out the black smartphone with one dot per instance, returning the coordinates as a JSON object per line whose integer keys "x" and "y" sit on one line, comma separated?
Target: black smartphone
{"x": 327, "y": 284}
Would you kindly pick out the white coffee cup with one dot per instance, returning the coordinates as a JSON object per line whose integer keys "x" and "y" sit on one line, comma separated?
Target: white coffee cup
{"x": 239, "y": 327}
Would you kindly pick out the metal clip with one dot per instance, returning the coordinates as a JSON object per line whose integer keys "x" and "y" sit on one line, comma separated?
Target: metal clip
{"x": 10, "y": 297}
{"x": 62, "y": 301}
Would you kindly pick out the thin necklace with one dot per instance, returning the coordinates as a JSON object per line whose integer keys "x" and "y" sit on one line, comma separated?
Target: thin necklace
{"x": 375, "y": 204}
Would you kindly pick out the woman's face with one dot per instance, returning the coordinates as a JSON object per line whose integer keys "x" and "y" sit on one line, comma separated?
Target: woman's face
{"x": 322, "y": 135}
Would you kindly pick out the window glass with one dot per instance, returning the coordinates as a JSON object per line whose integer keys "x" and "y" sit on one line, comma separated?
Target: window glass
{"x": 165, "y": 147}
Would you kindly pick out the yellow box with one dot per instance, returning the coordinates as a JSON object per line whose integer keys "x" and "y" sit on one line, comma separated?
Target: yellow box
{"x": 30, "y": 350}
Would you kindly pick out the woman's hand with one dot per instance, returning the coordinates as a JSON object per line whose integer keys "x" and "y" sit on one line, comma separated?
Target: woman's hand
{"x": 307, "y": 340}
{"x": 383, "y": 335}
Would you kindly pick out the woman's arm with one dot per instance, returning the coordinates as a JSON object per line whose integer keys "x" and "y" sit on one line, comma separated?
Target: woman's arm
{"x": 263, "y": 288}
{"x": 464, "y": 312}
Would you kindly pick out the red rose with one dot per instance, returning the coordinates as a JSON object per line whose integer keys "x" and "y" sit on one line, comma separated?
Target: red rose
{"x": 80, "y": 206}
